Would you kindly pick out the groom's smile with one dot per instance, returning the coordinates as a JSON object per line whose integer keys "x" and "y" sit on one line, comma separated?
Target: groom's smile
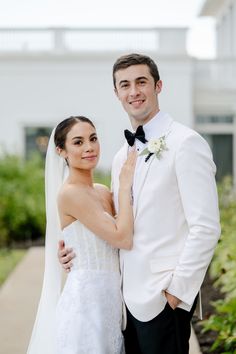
{"x": 137, "y": 103}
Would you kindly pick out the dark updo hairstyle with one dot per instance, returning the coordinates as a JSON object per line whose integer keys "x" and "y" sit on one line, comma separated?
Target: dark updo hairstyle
{"x": 65, "y": 126}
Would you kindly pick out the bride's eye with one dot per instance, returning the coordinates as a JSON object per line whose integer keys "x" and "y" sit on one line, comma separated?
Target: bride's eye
{"x": 78, "y": 142}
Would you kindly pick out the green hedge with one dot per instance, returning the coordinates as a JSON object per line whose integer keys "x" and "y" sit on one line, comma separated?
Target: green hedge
{"x": 22, "y": 207}
{"x": 102, "y": 177}
{"x": 223, "y": 270}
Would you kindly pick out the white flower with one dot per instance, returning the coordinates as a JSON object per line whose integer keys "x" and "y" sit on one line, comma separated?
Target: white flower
{"x": 155, "y": 146}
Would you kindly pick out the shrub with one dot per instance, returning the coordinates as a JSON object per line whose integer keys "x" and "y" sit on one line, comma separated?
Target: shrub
{"x": 22, "y": 207}
{"x": 102, "y": 177}
{"x": 223, "y": 269}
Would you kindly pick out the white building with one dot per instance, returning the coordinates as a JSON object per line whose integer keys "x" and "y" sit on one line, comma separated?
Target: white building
{"x": 215, "y": 88}
{"x": 47, "y": 75}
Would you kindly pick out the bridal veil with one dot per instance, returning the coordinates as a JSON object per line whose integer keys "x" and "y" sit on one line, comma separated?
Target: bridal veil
{"x": 42, "y": 338}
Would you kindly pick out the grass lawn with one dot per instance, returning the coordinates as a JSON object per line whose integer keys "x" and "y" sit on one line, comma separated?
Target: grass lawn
{"x": 8, "y": 260}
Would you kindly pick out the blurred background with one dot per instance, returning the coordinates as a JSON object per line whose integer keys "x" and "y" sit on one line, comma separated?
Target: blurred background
{"x": 56, "y": 60}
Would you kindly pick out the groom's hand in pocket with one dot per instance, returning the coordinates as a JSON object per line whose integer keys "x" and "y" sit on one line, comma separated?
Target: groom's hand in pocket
{"x": 65, "y": 256}
{"x": 173, "y": 301}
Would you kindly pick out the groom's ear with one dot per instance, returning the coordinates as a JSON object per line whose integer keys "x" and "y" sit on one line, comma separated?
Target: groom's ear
{"x": 158, "y": 87}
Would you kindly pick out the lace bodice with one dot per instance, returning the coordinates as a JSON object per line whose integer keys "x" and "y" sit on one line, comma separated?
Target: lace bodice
{"x": 92, "y": 253}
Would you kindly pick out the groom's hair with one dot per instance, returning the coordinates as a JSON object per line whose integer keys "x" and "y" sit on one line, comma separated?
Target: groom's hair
{"x": 65, "y": 126}
{"x": 125, "y": 61}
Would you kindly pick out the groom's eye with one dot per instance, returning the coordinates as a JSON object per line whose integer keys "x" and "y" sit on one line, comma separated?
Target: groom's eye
{"x": 142, "y": 82}
{"x": 124, "y": 85}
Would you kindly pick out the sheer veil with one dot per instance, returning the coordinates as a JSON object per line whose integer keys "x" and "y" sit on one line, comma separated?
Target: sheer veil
{"x": 42, "y": 338}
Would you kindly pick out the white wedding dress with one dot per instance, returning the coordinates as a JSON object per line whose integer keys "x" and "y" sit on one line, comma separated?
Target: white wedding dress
{"x": 89, "y": 311}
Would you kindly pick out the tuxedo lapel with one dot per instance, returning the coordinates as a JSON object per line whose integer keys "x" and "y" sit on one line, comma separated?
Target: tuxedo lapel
{"x": 141, "y": 181}
{"x": 162, "y": 128}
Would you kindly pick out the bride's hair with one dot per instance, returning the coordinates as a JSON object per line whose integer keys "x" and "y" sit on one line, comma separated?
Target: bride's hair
{"x": 65, "y": 126}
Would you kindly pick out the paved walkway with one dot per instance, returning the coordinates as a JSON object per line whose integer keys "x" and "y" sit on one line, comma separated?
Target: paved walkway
{"x": 18, "y": 303}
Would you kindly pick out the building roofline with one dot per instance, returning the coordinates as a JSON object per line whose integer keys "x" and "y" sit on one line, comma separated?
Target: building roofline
{"x": 93, "y": 29}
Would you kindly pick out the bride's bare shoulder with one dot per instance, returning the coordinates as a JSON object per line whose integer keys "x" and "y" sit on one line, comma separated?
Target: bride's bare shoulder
{"x": 103, "y": 191}
{"x": 71, "y": 191}
{"x": 105, "y": 197}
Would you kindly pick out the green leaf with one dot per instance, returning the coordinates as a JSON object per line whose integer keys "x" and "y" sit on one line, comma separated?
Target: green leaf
{"x": 144, "y": 152}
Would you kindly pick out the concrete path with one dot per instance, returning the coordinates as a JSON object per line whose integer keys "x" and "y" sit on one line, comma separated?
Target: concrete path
{"x": 19, "y": 297}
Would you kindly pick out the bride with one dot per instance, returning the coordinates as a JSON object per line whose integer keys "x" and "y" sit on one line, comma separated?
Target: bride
{"x": 86, "y": 317}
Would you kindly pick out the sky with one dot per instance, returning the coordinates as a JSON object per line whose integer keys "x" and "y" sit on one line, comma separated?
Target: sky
{"x": 115, "y": 13}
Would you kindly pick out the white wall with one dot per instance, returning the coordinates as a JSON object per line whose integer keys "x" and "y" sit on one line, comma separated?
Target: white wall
{"x": 41, "y": 90}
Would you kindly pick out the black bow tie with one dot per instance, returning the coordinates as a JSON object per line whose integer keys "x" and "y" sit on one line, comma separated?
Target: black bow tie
{"x": 139, "y": 134}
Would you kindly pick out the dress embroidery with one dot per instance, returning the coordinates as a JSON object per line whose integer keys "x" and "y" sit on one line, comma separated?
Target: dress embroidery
{"x": 89, "y": 312}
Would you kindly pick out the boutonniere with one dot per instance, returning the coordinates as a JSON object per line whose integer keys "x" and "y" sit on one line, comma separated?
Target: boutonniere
{"x": 155, "y": 146}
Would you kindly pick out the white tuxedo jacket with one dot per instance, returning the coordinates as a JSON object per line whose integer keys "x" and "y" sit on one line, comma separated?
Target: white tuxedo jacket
{"x": 176, "y": 222}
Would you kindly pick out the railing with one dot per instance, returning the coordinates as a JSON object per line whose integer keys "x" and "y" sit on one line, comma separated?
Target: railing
{"x": 60, "y": 40}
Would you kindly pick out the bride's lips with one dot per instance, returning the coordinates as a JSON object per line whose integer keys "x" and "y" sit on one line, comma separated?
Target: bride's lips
{"x": 91, "y": 157}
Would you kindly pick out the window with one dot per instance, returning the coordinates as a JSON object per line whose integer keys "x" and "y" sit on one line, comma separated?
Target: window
{"x": 222, "y": 149}
{"x": 213, "y": 118}
{"x": 36, "y": 140}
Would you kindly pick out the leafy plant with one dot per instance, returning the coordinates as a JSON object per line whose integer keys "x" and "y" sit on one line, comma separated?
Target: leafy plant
{"x": 223, "y": 269}
{"x": 22, "y": 209}
{"x": 102, "y": 177}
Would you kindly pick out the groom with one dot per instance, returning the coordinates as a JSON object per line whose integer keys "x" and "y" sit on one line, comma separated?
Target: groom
{"x": 176, "y": 217}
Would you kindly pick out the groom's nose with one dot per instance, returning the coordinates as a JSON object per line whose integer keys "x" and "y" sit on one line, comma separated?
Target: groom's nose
{"x": 134, "y": 90}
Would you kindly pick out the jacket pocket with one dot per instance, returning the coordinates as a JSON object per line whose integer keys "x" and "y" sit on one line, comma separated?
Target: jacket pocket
{"x": 163, "y": 264}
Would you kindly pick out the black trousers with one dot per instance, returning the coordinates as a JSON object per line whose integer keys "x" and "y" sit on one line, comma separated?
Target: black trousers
{"x": 167, "y": 333}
